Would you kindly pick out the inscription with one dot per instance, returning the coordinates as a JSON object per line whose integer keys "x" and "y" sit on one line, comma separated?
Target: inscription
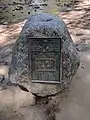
{"x": 45, "y": 59}
{"x": 45, "y": 45}
{"x": 45, "y": 64}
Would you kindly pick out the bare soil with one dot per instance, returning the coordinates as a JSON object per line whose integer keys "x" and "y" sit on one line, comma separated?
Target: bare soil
{"x": 16, "y": 104}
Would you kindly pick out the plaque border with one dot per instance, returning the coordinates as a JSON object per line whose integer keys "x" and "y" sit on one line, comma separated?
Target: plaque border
{"x": 29, "y": 58}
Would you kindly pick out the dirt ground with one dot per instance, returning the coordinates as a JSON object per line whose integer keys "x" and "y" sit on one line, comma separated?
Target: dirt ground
{"x": 15, "y": 104}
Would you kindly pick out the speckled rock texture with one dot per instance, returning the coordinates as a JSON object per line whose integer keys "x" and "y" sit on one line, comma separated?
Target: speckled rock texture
{"x": 43, "y": 25}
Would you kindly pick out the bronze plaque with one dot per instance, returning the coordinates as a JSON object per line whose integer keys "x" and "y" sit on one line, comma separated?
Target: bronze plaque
{"x": 45, "y": 59}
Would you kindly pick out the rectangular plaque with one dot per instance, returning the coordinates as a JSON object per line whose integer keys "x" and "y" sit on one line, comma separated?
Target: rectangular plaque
{"x": 45, "y": 60}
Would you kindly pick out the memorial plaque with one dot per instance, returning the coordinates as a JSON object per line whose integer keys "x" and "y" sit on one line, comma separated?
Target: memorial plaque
{"x": 45, "y": 60}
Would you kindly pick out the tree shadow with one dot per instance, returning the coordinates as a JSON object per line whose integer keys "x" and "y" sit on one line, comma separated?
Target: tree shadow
{"x": 79, "y": 17}
{"x": 8, "y": 36}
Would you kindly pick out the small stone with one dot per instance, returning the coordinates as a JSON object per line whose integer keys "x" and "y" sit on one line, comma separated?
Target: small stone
{"x": 19, "y": 8}
{"x": 79, "y": 33}
{"x": 82, "y": 47}
{"x": 13, "y": 9}
{"x": 5, "y": 23}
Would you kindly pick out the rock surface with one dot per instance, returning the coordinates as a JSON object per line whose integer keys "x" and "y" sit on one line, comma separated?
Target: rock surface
{"x": 43, "y": 25}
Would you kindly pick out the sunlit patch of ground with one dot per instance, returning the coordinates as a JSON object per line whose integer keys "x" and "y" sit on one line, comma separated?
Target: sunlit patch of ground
{"x": 10, "y": 32}
{"x": 8, "y": 35}
{"x": 78, "y": 21}
{"x": 77, "y": 105}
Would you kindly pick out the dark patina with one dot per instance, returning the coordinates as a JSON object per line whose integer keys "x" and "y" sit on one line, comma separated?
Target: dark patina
{"x": 45, "y": 60}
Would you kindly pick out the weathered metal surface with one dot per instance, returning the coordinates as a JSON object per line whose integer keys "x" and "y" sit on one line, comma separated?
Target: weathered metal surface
{"x": 44, "y": 57}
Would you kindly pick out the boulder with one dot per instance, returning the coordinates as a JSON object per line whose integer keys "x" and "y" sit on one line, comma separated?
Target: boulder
{"x": 43, "y": 25}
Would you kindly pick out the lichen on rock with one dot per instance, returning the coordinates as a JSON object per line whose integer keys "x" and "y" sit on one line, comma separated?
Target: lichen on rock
{"x": 43, "y": 25}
